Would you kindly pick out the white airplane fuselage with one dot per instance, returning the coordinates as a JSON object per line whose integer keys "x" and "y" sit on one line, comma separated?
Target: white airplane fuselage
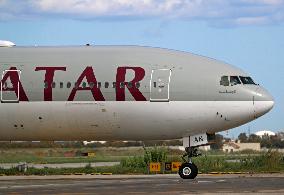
{"x": 121, "y": 93}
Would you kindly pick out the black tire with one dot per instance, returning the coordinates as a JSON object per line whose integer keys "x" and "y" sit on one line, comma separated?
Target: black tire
{"x": 188, "y": 171}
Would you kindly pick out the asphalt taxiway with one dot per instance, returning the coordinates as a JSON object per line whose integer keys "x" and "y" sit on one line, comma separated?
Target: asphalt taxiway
{"x": 142, "y": 184}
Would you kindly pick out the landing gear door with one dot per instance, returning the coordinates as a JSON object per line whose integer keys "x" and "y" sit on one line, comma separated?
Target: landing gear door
{"x": 10, "y": 89}
{"x": 198, "y": 140}
{"x": 160, "y": 85}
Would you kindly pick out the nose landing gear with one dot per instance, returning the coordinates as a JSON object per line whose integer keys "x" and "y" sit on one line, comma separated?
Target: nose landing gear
{"x": 188, "y": 170}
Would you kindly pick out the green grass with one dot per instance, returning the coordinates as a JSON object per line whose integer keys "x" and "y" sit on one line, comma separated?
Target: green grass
{"x": 56, "y": 155}
{"x": 65, "y": 171}
{"x": 270, "y": 161}
{"x": 53, "y": 160}
{"x": 136, "y": 160}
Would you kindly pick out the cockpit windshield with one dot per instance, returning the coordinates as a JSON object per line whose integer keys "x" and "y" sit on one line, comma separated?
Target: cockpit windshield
{"x": 234, "y": 80}
{"x": 247, "y": 80}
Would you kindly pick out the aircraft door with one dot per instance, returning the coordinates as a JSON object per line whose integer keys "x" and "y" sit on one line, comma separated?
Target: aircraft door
{"x": 160, "y": 85}
{"x": 10, "y": 88}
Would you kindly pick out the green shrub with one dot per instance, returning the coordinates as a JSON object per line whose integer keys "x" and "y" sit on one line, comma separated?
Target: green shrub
{"x": 210, "y": 163}
{"x": 268, "y": 161}
{"x": 133, "y": 162}
{"x": 155, "y": 154}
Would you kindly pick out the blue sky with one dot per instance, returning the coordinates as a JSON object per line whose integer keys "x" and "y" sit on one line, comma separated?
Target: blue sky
{"x": 245, "y": 33}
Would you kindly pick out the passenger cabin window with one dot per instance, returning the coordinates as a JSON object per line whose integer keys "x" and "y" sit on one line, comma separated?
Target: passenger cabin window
{"x": 129, "y": 84}
{"x": 234, "y": 80}
{"x": 106, "y": 85}
{"x": 137, "y": 85}
{"x": 45, "y": 85}
{"x": 76, "y": 86}
{"x": 91, "y": 85}
{"x": 68, "y": 85}
{"x": 224, "y": 81}
{"x": 247, "y": 80}
{"x": 84, "y": 85}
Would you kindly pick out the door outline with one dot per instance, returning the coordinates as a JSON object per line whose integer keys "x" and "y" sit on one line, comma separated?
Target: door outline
{"x": 18, "y": 86}
{"x": 168, "y": 87}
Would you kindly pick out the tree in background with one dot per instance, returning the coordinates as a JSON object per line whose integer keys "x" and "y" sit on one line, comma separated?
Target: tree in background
{"x": 273, "y": 141}
{"x": 254, "y": 138}
{"x": 266, "y": 141}
{"x": 243, "y": 137}
{"x": 218, "y": 142}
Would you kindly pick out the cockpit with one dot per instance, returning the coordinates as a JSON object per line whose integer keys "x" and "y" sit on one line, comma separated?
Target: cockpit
{"x": 236, "y": 80}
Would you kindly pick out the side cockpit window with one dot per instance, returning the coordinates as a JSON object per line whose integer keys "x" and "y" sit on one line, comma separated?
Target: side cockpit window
{"x": 247, "y": 80}
{"x": 224, "y": 81}
{"x": 234, "y": 80}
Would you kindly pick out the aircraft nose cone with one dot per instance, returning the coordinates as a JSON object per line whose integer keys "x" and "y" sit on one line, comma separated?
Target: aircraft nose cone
{"x": 263, "y": 102}
{"x": 262, "y": 107}
{"x": 262, "y": 94}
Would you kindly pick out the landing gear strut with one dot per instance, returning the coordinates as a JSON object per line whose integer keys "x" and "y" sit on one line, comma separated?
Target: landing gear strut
{"x": 188, "y": 170}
